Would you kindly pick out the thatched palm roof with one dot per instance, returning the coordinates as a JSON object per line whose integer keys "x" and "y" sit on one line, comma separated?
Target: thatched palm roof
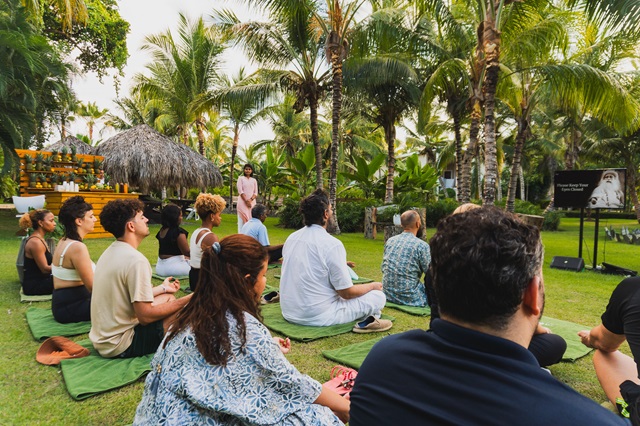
{"x": 149, "y": 160}
{"x": 69, "y": 141}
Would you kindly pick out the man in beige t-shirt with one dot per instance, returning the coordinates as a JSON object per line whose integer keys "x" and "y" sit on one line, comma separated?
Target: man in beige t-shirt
{"x": 128, "y": 315}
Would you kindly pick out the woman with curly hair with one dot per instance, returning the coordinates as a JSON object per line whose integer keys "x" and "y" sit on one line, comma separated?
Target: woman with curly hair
{"x": 72, "y": 265}
{"x": 218, "y": 363}
{"x": 37, "y": 257}
{"x": 209, "y": 207}
{"x": 173, "y": 249}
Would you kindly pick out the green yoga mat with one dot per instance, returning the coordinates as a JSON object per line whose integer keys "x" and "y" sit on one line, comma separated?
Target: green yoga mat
{"x": 274, "y": 265}
{"x": 43, "y": 325}
{"x": 40, "y": 298}
{"x": 361, "y": 280}
{"x": 421, "y": 311}
{"x": 302, "y": 333}
{"x": 569, "y": 331}
{"x": 91, "y": 375}
{"x": 353, "y": 355}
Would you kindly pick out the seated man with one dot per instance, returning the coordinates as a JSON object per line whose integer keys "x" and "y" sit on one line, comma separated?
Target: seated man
{"x": 406, "y": 259}
{"x": 255, "y": 228}
{"x": 619, "y": 323}
{"x": 128, "y": 315}
{"x": 473, "y": 366}
{"x": 316, "y": 288}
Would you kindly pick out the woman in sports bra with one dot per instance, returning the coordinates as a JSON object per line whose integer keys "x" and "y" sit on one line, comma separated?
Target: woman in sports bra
{"x": 72, "y": 267}
{"x": 173, "y": 250}
{"x": 37, "y": 257}
{"x": 209, "y": 207}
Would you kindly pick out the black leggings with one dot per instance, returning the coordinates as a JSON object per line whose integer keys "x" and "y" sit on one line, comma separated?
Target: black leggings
{"x": 194, "y": 275}
{"x": 72, "y": 304}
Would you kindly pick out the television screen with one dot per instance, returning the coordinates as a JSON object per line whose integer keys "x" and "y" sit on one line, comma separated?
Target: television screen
{"x": 593, "y": 189}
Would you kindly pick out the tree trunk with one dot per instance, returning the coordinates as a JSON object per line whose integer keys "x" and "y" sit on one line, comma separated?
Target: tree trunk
{"x": 234, "y": 149}
{"x": 459, "y": 154}
{"x": 200, "y": 130}
{"x": 523, "y": 195}
{"x": 523, "y": 124}
{"x": 491, "y": 47}
{"x": 336, "y": 66}
{"x": 313, "y": 116}
{"x": 470, "y": 153}
{"x": 185, "y": 134}
{"x": 390, "y": 138}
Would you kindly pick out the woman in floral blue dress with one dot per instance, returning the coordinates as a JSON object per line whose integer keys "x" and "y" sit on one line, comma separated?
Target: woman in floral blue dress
{"x": 219, "y": 365}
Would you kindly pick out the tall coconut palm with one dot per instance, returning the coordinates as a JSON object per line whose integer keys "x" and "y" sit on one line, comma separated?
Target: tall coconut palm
{"x": 91, "y": 113}
{"x": 380, "y": 74}
{"x": 182, "y": 72}
{"x": 241, "y": 108}
{"x": 288, "y": 48}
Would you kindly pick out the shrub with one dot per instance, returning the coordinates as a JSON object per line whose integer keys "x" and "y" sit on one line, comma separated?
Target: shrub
{"x": 438, "y": 210}
{"x": 289, "y": 215}
{"x": 552, "y": 220}
{"x": 351, "y": 215}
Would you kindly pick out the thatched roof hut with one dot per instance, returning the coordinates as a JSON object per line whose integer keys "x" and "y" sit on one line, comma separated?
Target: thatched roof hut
{"x": 69, "y": 141}
{"x": 151, "y": 161}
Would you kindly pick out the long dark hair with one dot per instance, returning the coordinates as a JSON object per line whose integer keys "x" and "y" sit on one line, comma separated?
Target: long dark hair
{"x": 72, "y": 209}
{"x": 223, "y": 288}
{"x": 171, "y": 216}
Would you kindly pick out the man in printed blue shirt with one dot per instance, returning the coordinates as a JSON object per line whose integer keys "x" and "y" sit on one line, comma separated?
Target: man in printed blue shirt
{"x": 405, "y": 261}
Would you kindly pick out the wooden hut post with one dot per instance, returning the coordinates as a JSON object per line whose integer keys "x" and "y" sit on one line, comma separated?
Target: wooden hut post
{"x": 370, "y": 229}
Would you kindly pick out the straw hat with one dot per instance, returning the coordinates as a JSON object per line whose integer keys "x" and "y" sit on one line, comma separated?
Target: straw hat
{"x": 57, "y": 348}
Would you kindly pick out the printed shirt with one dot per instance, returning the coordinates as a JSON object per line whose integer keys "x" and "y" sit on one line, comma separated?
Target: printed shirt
{"x": 258, "y": 386}
{"x": 406, "y": 258}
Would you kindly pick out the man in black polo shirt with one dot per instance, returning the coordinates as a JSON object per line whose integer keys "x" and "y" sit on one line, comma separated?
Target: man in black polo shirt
{"x": 473, "y": 366}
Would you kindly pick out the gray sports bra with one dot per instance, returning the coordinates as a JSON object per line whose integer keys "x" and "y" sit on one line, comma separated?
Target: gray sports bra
{"x": 67, "y": 274}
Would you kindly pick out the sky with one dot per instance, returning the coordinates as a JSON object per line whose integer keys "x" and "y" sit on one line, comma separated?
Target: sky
{"x": 147, "y": 17}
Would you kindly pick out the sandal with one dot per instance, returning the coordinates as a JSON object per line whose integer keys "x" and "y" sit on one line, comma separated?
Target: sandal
{"x": 342, "y": 380}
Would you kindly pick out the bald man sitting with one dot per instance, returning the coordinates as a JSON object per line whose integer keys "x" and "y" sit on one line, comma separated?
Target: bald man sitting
{"x": 405, "y": 261}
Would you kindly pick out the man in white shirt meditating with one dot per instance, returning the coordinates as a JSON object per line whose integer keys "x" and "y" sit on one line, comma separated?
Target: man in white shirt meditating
{"x": 316, "y": 287}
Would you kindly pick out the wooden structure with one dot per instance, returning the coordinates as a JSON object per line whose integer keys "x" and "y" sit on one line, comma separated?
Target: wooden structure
{"x": 54, "y": 199}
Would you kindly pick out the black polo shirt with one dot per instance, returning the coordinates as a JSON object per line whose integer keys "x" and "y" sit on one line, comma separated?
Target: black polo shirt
{"x": 452, "y": 375}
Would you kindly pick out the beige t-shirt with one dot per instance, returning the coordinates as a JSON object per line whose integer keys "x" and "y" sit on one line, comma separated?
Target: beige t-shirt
{"x": 123, "y": 276}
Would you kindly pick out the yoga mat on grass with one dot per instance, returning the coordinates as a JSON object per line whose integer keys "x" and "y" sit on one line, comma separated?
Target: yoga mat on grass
{"x": 569, "y": 331}
{"x": 351, "y": 355}
{"x": 302, "y": 333}
{"x": 274, "y": 265}
{"x": 421, "y": 311}
{"x": 91, "y": 375}
{"x": 361, "y": 280}
{"x": 43, "y": 325}
{"x": 40, "y": 298}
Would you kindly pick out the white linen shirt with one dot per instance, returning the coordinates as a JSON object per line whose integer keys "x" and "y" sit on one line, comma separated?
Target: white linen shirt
{"x": 314, "y": 267}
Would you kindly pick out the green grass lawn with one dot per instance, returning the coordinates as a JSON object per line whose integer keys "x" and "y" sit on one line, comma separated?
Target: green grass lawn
{"x": 31, "y": 393}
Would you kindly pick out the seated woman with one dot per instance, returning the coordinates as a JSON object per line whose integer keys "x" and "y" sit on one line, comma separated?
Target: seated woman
{"x": 72, "y": 267}
{"x": 173, "y": 252}
{"x": 37, "y": 257}
{"x": 218, "y": 363}
{"x": 209, "y": 207}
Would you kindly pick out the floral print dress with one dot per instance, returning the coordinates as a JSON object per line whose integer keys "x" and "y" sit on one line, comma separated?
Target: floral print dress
{"x": 258, "y": 386}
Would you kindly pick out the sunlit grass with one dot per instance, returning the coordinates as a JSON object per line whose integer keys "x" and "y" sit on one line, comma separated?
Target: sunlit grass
{"x": 31, "y": 393}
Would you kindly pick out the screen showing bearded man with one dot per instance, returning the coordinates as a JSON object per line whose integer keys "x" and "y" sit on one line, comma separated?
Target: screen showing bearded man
{"x": 609, "y": 193}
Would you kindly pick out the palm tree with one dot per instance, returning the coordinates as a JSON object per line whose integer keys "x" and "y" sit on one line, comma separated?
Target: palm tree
{"x": 69, "y": 12}
{"x": 380, "y": 74}
{"x": 183, "y": 71}
{"x": 91, "y": 114}
{"x": 241, "y": 108}
{"x": 288, "y": 49}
